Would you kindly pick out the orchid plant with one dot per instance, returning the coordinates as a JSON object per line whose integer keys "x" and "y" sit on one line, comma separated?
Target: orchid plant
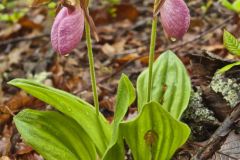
{"x": 79, "y": 131}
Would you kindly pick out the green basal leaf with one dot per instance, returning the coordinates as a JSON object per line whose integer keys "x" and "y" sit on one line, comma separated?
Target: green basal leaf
{"x": 55, "y": 136}
{"x": 125, "y": 97}
{"x": 98, "y": 129}
{"x": 231, "y": 43}
{"x": 227, "y": 67}
{"x": 171, "y": 85}
{"x": 154, "y": 134}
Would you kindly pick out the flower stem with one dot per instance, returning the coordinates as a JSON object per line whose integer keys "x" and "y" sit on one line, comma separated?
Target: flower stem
{"x": 151, "y": 56}
{"x": 91, "y": 66}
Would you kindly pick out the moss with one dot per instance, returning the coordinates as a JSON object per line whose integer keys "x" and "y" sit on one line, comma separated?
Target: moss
{"x": 197, "y": 112}
{"x": 227, "y": 87}
{"x": 200, "y": 119}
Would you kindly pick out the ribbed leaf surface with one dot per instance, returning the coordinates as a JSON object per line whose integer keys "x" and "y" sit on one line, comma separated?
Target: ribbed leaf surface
{"x": 154, "y": 134}
{"x": 171, "y": 85}
{"x": 83, "y": 113}
{"x": 231, "y": 43}
{"x": 54, "y": 136}
{"x": 125, "y": 97}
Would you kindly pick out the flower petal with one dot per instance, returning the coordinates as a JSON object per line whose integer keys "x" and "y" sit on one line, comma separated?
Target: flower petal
{"x": 175, "y": 18}
{"x": 67, "y": 30}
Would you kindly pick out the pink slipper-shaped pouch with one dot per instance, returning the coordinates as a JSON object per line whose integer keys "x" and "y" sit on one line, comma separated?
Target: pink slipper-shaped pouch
{"x": 67, "y": 30}
{"x": 175, "y": 18}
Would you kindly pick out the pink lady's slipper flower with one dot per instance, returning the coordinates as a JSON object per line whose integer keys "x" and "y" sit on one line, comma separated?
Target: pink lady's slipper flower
{"x": 67, "y": 30}
{"x": 175, "y": 18}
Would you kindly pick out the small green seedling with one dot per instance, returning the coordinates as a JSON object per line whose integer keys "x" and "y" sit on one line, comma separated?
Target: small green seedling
{"x": 235, "y": 6}
{"x": 232, "y": 44}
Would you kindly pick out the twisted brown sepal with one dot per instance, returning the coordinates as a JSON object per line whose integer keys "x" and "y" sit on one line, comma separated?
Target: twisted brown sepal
{"x": 84, "y": 6}
{"x": 157, "y": 5}
{"x": 68, "y": 4}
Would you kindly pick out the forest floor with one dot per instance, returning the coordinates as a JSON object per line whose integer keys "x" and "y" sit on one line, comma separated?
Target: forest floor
{"x": 124, "y": 31}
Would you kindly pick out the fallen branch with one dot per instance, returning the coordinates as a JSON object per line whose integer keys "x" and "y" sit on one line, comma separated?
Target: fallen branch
{"x": 218, "y": 138}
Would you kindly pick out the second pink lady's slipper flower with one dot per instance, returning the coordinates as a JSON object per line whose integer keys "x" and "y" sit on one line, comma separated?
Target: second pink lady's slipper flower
{"x": 175, "y": 18}
{"x": 67, "y": 30}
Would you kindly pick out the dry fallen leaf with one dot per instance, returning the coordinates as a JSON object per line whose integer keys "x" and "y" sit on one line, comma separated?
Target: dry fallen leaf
{"x": 108, "y": 49}
{"x": 8, "y": 31}
{"x": 127, "y": 58}
{"x": 14, "y": 56}
{"x": 230, "y": 150}
{"x": 4, "y": 158}
{"x": 29, "y": 24}
{"x": 18, "y": 101}
{"x": 117, "y": 12}
{"x": 115, "y": 48}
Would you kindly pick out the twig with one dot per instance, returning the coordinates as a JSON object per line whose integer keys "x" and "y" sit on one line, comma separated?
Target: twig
{"x": 9, "y": 110}
{"x": 214, "y": 143}
{"x": 19, "y": 39}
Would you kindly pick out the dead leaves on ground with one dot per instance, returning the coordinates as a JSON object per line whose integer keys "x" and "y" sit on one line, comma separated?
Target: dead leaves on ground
{"x": 230, "y": 150}
{"x": 115, "y": 13}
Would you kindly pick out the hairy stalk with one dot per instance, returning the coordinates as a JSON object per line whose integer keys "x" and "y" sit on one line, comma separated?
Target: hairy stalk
{"x": 91, "y": 66}
{"x": 151, "y": 56}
